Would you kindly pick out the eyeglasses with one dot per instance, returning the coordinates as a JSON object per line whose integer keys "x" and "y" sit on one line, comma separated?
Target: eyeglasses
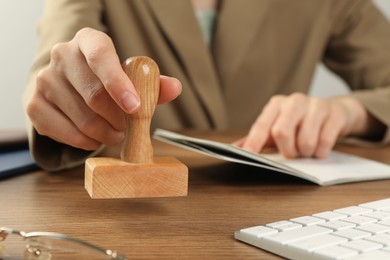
{"x": 49, "y": 245}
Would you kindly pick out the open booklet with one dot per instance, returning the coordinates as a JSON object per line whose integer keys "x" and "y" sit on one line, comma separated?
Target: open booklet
{"x": 337, "y": 168}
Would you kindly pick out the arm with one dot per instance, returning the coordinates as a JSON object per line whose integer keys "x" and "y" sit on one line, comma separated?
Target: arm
{"x": 78, "y": 90}
{"x": 59, "y": 23}
{"x": 299, "y": 125}
{"x": 359, "y": 51}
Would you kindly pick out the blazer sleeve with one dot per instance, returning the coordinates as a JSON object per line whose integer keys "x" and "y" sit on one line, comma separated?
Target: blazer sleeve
{"x": 60, "y": 21}
{"x": 359, "y": 52}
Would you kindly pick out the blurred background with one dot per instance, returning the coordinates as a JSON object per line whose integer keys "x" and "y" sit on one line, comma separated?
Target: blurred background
{"x": 18, "y": 20}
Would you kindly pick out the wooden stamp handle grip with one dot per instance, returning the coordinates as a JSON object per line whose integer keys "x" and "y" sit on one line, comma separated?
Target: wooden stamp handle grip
{"x": 145, "y": 75}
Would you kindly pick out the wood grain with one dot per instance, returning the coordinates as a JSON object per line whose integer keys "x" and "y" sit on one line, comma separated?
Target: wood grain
{"x": 145, "y": 75}
{"x": 223, "y": 197}
{"x": 138, "y": 173}
{"x": 109, "y": 178}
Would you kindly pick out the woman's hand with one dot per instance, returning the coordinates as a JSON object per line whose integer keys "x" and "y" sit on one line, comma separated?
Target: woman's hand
{"x": 303, "y": 126}
{"x": 81, "y": 95}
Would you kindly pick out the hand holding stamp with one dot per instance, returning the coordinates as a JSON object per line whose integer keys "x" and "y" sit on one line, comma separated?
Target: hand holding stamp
{"x": 138, "y": 173}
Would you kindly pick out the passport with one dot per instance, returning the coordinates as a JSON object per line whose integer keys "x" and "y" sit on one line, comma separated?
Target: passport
{"x": 337, "y": 168}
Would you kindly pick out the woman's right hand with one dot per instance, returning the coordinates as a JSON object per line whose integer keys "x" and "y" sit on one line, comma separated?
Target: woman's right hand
{"x": 80, "y": 96}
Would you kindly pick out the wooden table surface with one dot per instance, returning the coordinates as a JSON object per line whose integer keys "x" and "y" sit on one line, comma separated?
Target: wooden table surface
{"x": 223, "y": 197}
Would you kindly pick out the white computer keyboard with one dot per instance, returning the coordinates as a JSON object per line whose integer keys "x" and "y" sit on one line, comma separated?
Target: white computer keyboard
{"x": 356, "y": 232}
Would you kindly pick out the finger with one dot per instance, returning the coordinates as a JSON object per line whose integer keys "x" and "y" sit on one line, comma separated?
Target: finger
{"x": 329, "y": 133}
{"x": 309, "y": 130}
{"x": 85, "y": 82}
{"x": 286, "y": 126}
{"x": 101, "y": 57}
{"x": 268, "y": 144}
{"x": 170, "y": 88}
{"x": 61, "y": 94}
{"x": 259, "y": 132}
{"x": 59, "y": 128}
{"x": 239, "y": 142}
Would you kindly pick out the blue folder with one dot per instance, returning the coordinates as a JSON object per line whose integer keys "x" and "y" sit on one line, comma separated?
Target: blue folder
{"x": 15, "y": 157}
{"x": 15, "y": 162}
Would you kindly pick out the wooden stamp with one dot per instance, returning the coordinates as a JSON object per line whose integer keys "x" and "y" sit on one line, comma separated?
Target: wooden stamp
{"x": 137, "y": 174}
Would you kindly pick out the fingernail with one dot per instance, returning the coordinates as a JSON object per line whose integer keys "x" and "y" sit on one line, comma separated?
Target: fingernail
{"x": 130, "y": 102}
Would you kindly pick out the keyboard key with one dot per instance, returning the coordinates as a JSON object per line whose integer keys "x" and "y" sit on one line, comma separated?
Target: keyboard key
{"x": 374, "y": 228}
{"x": 353, "y": 210}
{"x": 379, "y": 215}
{"x": 259, "y": 231}
{"x": 374, "y": 255}
{"x": 307, "y": 220}
{"x": 297, "y": 234}
{"x": 383, "y": 239}
{"x": 289, "y": 227}
{"x": 377, "y": 205}
{"x": 337, "y": 225}
{"x": 336, "y": 252}
{"x": 278, "y": 224}
{"x": 330, "y": 215}
{"x": 386, "y": 249}
{"x": 322, "y": 241}
{"x": 362, "y": 245}
{"x": 359, "y": 220}
{"x": 384, "y": 222}
{"x": 352, "y": 233}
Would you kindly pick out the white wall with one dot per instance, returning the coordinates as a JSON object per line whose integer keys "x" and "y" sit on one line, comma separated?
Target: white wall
{"x": 18, "y": 19}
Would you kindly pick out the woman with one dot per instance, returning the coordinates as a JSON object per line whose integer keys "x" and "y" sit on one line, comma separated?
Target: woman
{"x": 251, "y": 74}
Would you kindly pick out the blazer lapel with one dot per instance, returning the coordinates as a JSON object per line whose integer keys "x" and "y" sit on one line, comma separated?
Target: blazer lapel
{"x": 179, "y": 23}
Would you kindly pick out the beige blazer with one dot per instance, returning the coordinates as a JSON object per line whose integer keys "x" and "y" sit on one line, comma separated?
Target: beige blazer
{"x": 260, "y": 48}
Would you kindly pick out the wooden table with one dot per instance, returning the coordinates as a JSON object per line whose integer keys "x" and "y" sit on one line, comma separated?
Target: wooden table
{"x": 223, "y": 197}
